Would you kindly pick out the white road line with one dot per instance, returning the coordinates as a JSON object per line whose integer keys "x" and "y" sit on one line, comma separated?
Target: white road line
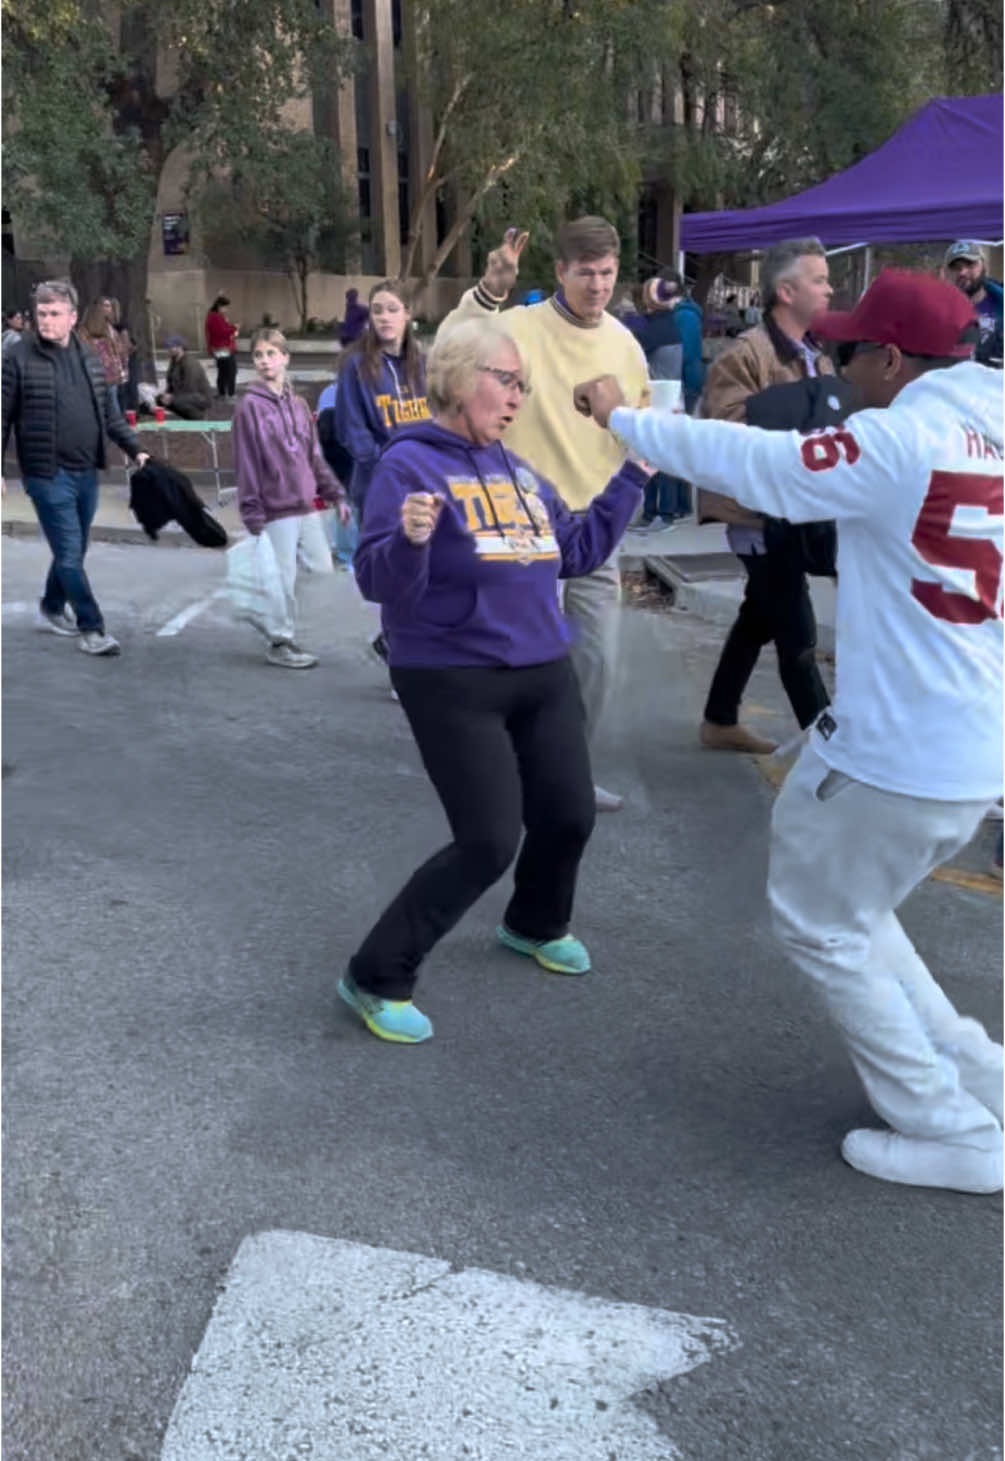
{"x": 177, "y": 624}
{"x": 342, "y": 1352}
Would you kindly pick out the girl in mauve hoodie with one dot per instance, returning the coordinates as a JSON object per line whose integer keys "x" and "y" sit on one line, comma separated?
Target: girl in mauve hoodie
{"x": 280, "y": 472}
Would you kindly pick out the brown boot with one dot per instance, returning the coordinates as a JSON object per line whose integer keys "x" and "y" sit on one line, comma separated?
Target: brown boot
{"x": 734, "y": 738}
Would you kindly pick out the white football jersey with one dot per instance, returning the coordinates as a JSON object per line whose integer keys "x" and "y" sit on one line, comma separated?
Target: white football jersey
{"x": 916, "y": 491}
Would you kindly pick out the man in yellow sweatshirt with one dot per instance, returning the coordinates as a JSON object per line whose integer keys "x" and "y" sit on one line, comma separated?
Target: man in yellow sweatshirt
{"x": 565, "y": 339}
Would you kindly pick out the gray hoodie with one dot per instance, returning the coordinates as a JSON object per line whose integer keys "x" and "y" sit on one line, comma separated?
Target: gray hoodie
{"x": 277, "y": 457}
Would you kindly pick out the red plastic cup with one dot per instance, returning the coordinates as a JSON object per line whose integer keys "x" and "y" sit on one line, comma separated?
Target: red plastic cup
{"x": 131, "y": 417}
{"x": 159, "y": 414}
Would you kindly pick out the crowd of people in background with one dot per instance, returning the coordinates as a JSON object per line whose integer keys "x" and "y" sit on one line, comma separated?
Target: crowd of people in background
{"x": 490, "y": 486}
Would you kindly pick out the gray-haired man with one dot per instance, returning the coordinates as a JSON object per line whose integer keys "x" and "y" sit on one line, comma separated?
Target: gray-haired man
{"x": 56, "y": 399}
{"x": 776, "y": 603}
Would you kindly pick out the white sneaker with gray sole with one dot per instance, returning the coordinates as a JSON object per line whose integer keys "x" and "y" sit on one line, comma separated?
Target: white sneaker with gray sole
{"x": 892, "y": 1157}
{"x": 94, "y": 641}
{"x": 63, "y": 623}
{"x": 289, "y": 657}
{"x": 607, "y": 801}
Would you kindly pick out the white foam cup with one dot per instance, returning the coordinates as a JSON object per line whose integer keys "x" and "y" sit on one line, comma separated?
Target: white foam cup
{"x": 665, "y": 395}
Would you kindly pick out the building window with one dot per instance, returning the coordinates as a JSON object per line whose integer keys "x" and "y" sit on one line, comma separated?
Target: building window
{"x": 363, "y": 181}
{"x": 648, "y": 224}
{"x": 396, "y": 21}
{"x": 403, "y": 196}
{"x": 8, "y": 232}
{"x": 356, "y": 18}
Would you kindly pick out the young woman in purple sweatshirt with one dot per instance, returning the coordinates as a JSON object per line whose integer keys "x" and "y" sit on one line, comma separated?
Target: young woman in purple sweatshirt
{"x": 463, "y": 545}
{"x": 381, "y": 385}
{"x": 280, "y": 472}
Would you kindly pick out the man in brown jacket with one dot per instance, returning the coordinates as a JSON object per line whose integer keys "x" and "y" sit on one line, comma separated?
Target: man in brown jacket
{"x": 776, "y": 603}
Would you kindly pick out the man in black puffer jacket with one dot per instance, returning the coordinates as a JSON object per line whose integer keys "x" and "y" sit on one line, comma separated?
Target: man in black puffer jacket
{"x": 56, "y": 400}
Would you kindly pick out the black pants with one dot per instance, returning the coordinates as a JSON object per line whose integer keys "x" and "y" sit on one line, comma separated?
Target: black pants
{"x": 776, "y": 606}
{"x": 505, "y": 749}
{"x": 226, "y": 375}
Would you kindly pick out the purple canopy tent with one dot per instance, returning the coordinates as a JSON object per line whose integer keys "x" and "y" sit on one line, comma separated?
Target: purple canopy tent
{"x": 938, "y": 177}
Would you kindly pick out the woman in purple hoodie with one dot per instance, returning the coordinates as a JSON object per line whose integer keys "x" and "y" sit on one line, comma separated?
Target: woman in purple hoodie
{"x": 381, "y": 385}
{"x": 463, "y": 545}
{"x": 280, "y": 472}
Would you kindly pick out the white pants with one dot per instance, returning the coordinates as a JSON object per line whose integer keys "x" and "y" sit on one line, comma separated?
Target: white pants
{"x": 296, "y": 540}
{"x": 592, "y": 604}
{"x": 843, "y": 856}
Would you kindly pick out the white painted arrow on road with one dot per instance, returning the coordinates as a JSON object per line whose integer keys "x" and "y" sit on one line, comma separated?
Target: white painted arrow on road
{"x": 338, "y": 1352}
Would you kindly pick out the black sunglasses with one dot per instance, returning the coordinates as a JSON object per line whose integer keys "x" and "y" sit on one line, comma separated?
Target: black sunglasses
{"x": 848, "y": 349}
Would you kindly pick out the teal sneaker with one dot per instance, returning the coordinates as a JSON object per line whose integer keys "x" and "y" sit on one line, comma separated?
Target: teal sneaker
{"x": 390, "y": 1019}
{"x": 564, "y": 955}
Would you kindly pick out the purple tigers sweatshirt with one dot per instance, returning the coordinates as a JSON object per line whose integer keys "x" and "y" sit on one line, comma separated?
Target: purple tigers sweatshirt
{"x": 484, "y": 589}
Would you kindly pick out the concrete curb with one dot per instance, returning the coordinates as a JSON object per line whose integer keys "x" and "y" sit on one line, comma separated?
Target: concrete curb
{"x": 716, "y": 601}
{"x": 106, "y": 533}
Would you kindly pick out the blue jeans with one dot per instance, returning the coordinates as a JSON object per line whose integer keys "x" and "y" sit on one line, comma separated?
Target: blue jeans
{"x": 666, "y": 497}
{"x": 65, "y": 506}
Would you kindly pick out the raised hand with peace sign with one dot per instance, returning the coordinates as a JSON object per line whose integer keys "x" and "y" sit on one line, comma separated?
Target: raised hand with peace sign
{"x": 503, "y": 264}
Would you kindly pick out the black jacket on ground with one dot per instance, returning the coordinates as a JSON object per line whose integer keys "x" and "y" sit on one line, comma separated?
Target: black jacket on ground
{"x": 817, "y": 404}
{"x": 160, "y": 494}
{"x": 29, "y": 406}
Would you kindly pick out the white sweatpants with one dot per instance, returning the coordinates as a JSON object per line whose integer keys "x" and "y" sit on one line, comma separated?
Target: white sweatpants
{"x": 843, "y": 856}
{"x": 296, "y": 540}
{"x": 592, "y": 604}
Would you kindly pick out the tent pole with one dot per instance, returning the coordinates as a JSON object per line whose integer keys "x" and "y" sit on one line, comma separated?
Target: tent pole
{"x": 867, "y": 267}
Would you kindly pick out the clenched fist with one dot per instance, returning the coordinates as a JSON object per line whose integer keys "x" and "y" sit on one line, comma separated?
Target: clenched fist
{"x": 503, "y": 263}
{"x": 419, "y": 514}
{"x": 598, "y": 398}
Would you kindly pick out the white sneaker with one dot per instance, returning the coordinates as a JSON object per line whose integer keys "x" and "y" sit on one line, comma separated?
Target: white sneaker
{"x": 289, "y": 657}
{"x": 94, "y": 641}
{"x": 607, "y": 801}
{"x": 919, "y": 1163}
{"x": 63, "y": 623}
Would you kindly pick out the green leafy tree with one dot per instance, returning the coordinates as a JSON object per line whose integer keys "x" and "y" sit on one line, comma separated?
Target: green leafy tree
{"x": 96, "y": 98}
{"x": 529, "y": 102}
{"x": 285, "y": 198}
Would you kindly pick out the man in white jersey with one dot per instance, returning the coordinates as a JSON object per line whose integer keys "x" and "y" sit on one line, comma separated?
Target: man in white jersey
{"x": 898, "y": 772}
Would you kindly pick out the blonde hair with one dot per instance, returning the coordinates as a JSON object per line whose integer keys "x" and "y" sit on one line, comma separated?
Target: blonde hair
{"x": 271, "y": 336}
{"x": 458, "y": 354}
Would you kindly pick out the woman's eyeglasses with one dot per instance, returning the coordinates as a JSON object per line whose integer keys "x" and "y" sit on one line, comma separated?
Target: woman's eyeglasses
{"x": 507, "y": 378}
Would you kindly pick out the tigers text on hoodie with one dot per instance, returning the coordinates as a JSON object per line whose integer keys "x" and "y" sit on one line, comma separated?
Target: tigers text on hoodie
{"x": 483, "y": 590}
{"x": 277, "y": 458}
{"x": 366, "y": 416}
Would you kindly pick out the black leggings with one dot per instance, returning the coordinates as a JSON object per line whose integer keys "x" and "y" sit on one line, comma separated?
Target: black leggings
{"x": 505, "y": 749}
{"x": 776, "y": 606}
{"x": 226, "y": 375}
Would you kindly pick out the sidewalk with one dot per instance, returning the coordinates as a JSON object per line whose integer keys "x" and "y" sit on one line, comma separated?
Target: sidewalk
{"x": 706, "y": 578}
{"x": 113, "y": 522}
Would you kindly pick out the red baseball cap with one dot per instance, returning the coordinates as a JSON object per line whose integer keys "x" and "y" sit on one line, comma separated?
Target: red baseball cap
{"x": 917, "y": 312}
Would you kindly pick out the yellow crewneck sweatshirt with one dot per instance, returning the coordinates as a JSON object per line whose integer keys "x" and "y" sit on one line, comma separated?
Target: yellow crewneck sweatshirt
{"x": 576, "y": 456}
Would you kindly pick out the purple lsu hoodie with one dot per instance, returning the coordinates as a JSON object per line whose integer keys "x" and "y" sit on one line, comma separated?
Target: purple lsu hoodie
{"x": 278, "y": 461}
{"x": 483, "y": 590}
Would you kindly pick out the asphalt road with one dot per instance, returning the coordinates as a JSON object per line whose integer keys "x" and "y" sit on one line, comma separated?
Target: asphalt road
{"x": 194, "y": 841}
